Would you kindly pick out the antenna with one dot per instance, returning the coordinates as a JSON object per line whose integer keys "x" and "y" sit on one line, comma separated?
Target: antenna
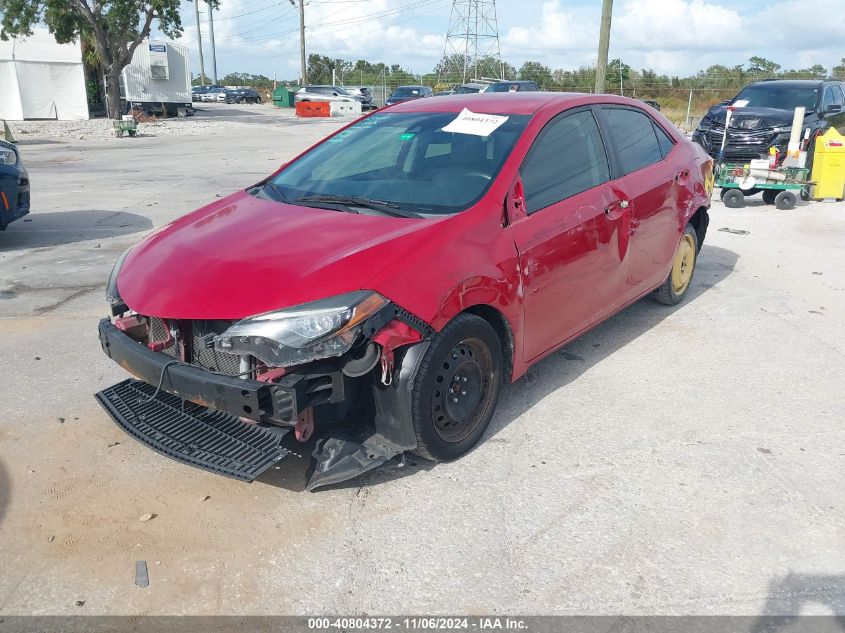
{"x": 473, "y": 35}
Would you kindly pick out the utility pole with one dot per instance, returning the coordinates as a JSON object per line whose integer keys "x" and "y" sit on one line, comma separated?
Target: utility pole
{"x": 199, "y": 42}
{"x": 604, "y": 45}
{"x": 301, "y": 39}
{"x": 620, "y": 78}
{"x": 213, "y": 51}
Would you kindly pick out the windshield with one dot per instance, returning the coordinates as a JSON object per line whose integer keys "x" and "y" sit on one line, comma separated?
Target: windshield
{"x": 466, "y": 90}
{"x": 406, "y": 92}
{"x": 340, "y": 91}
{"x": 778, "y": 97}
{"x": 500, "y": 87}
{"x": 406, "y": 159}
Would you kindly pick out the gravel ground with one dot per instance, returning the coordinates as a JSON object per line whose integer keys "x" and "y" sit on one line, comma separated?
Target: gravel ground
{"x": 684, "y": 460}
{"x": 210, "y": 118}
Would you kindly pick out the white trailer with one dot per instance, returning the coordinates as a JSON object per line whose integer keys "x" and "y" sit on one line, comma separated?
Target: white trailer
{"x": 158, "y": 79}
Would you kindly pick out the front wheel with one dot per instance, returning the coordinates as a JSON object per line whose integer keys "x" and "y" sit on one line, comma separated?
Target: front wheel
{"x": 785, "y": 201}
{"x": 677, "y": 284}
{"x": 456, "y": 388}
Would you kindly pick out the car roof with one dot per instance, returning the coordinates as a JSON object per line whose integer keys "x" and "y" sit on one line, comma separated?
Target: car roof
{"x": 501, "y": 102}
{"x": 411, "y": 86}
{"x": 795, "y": 83}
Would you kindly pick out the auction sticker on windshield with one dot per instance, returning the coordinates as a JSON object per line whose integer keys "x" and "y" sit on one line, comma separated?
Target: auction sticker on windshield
{"x": 468, "y": 122}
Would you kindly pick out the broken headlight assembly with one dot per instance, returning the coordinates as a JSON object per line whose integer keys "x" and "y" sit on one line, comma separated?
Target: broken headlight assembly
{"x": 301, "y": 334}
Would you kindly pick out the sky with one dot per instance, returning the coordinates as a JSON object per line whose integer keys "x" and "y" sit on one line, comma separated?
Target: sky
{"x": 676, "y": 37}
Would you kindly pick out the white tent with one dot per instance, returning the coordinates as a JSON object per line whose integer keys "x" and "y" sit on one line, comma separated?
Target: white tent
{"x": 40, "y": 79}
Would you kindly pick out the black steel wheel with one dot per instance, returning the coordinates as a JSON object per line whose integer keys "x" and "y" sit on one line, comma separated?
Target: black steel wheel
{"x": 456, "y": 388}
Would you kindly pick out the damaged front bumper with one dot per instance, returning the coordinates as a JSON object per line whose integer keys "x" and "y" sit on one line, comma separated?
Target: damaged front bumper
{"x": 196, "y": 416}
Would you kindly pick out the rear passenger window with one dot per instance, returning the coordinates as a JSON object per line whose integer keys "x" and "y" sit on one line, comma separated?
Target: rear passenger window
{"x": 663, "y": 140}
{"x": 838, "y": 96}
{"x": 634, "y": 137}
{"x": 567, "y": 157}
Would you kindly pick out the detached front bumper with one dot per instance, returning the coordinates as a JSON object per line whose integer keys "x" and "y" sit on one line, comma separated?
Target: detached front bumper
{"x": 280, "y": 402}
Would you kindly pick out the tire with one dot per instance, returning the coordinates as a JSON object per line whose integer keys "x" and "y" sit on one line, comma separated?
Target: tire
{"x": 805, "y": 194}
{"x": 733, "y": 199}
{"x": 456, "y": 388}
{"x": 678, "y": 283}
{"x": 769, "y": 196}
{"x": 786, "y": 200}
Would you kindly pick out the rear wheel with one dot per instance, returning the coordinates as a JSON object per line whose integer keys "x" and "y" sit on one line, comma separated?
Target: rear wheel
{"x": 683, "y": 266}
{"x": 769, "y": 196}
{"x": 456, "y": 388}
{"x": 733, "y": 199}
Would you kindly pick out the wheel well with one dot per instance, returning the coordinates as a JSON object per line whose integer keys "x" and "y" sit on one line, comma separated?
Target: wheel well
{"x": 503, "y": 330}
{"x": 699, "y": 221}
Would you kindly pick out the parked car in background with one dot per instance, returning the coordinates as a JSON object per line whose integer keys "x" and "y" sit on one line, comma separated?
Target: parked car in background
{"x": 211, "y": 94}
{"x": 198, "y": 91}
{"x": 470, "y": 88}
{"x": 407, "y": 93}
{"x": 535, "y": 217}
{"x": 512, "y": 86}
{"x": 14, "y": 185}
{"x": 444, "y": 93}
{"x": 763, "y": 113}
{"x": 364, "y": 93}
{"x": 242, "y": 95}
{"x": 652, "y": 103}
{"x": 326, "y": 93}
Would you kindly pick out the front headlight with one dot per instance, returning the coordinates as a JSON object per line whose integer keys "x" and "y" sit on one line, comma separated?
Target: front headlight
{"x": 322, "y": 329}
{"x": 8, "y": 155}
{"x": 112, "y": 294}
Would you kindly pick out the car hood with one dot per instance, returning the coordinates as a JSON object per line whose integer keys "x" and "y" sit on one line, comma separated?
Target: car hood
{"x": 770, "y": 117}
{"x": 244, "y": 255}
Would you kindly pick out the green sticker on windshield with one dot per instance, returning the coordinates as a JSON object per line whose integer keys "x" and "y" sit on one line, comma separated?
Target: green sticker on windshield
{"x": 407, "y": 136}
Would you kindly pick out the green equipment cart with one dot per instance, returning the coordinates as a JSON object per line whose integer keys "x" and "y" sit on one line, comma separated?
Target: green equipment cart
{"x": 780, "y": 186}
{"x": 129, "y": 127}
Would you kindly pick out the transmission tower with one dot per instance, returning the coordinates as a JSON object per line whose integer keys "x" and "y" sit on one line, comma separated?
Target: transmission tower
{"x": 473, "y": 35}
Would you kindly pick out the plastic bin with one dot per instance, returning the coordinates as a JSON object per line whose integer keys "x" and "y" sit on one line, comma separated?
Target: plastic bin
{"x": 829, "y": 166}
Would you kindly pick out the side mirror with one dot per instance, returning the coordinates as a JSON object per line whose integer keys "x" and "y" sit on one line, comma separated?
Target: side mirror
{"x": 334, "y": 93}
{"x": 515, "y": 203}
{"x": 833, "y": 108}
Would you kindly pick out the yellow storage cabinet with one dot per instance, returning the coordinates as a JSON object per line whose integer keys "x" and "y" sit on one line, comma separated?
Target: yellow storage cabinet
{"x": 829, "y": 166}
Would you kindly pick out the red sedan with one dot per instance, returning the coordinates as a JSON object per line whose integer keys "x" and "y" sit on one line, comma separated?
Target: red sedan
{"x": 377, "y": 290}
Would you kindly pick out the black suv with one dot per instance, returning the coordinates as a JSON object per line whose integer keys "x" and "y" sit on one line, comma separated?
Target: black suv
{"x": 763, "y": 114}
{"x": 242, "y": 95}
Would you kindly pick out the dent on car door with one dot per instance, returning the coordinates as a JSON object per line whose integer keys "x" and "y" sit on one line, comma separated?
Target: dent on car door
{"x": 656, "y": 184}
{"x": 568, "y": 254}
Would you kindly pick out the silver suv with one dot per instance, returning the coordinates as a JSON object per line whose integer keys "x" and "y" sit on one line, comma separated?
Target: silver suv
{"x": 325, "y": 93}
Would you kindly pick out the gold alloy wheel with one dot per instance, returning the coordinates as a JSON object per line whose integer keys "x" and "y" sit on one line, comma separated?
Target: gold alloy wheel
{"x": 683, "y": 265}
